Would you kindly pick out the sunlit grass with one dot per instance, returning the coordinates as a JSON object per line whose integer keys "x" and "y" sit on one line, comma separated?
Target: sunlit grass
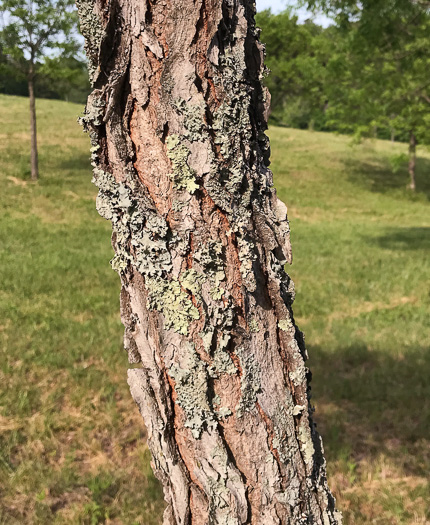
{"x": 361, "y": 245}
{"x": 72, "y": 445}
{"x": 72, "y": 442}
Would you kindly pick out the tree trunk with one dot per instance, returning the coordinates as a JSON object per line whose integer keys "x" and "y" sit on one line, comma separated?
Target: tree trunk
{"x": 412, "y": 160}
{"x": 177, "y": 119}
{"x": 33, "y": 129}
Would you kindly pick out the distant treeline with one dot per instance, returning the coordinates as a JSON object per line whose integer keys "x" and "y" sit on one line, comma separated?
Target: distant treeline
{"x": 350, "y": 77}
{"x": 365, "y": 75}
{"x": 67, "y": 80}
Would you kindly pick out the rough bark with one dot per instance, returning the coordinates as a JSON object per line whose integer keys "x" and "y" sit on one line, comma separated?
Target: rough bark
{"x": 177, "y": 119}
{"x": 33, "y": 128}
{"x": 412, "y": 160}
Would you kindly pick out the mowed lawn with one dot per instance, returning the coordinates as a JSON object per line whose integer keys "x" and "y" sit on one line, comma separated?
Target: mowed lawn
{"x": 72, "y": 445}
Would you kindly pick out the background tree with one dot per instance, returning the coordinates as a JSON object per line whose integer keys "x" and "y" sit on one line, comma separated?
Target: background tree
{"x": 32, "y": 30}
{"x": 177, "y": 119}
{"x": 64, "y": 77}
{"x": 381, "y": 70}
{"x": 296, "y": 57}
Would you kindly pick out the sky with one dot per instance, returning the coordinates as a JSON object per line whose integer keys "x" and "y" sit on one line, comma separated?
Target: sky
{"x": 278, "y": 5}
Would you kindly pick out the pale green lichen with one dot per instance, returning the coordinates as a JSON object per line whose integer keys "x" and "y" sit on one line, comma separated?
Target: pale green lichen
{"x": 192, "y": 281}
{"x": 183, "y": 176}
{"x": 191, "y": 387}
{"x": 286, "y": 325}
{"x": 253, "y": 326}
{"x": 216, "y": 293}
{"x": 120, "y": 262}
{"x": 223, "y": 412}
{"x": 168, "y": 297}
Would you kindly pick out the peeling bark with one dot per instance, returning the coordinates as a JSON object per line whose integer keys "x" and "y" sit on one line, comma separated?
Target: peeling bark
{"x": 176, "y": 119}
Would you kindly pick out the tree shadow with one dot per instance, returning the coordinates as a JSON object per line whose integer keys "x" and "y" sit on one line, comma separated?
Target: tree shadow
{"x": 371, "y": 403}
{"x": 401, "y": 239}
{"x": 73, "y": 161}
{"x": 378, "y": 176}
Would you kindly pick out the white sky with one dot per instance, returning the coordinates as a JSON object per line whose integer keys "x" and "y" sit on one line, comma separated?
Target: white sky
{"x": 279, "y": 5}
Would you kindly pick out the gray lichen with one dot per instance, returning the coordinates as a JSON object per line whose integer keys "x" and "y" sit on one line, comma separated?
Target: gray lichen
{"x": 91, "y": 28}
{"x": 222, "y": 360}
{"x": 250, "y": 382}
{"x": 142, "y": 241}
{"x": 298, "y": 376}
{"x": 191, "y": 387}
{"x": 234, "y": 195}
{"x": 284, "y": 440}
{"x": 193, "y": 119}
{"x": 209, "y": 256}
{"x": 93, "y": 116}
{"x": 223, "y": 412}
{"x": 306, "y": 443}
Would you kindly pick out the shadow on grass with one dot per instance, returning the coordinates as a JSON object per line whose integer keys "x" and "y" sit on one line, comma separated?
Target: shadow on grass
{"x": 379, "y": 176}
{"x": 417, "y": 238}
{"x": 371, "y": 403}
{"x": 73, "y": 162}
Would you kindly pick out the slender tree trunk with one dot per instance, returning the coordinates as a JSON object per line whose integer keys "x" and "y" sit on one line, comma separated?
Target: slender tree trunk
{"x": 177, "y": 119}
{"x": 412, "y": 160}
{"x": 33, "y": 129}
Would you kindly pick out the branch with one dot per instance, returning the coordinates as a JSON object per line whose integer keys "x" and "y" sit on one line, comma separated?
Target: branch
{"x": 425, "y": 96}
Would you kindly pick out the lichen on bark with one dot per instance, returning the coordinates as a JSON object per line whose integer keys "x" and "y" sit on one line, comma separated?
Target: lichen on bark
{"x": 176, "y": 121}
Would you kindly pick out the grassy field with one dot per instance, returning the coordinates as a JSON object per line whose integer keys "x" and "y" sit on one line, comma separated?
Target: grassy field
{"x": 72, "y": 445}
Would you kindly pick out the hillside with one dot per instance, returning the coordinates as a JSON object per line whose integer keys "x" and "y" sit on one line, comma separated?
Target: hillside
{"x": 72, "y": 444}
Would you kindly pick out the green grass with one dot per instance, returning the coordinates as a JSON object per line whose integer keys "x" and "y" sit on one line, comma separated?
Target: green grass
{"x": 361, "y": 266}
{"x": 72, "y": 443}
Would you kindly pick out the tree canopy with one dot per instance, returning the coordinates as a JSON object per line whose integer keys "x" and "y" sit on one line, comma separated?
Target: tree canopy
{"x": 39, "y": 38}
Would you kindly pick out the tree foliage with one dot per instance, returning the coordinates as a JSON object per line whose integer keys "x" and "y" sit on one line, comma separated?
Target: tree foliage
{"x": 39, "y": 38}
{"x": 367, "y": 74}
{"x": 297, "y": 54}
